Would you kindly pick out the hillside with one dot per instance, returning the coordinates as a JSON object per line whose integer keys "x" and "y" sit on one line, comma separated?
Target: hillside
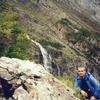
{"x": 67, "y": 29}
{"x": 88, "y": 11}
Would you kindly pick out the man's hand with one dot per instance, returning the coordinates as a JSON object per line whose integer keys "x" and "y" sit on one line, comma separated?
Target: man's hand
{"x": 92, "y": 98}
{"x": 84, "y": 94}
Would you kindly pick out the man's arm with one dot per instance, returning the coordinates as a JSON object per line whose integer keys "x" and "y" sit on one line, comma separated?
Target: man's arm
{"x": 77, "y": 85}
{"x": 95, "y": 84}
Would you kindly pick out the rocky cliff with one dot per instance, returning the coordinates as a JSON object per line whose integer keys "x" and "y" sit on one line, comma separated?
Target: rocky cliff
{"x": 25, "y": 80}
{"x": 86, "y": 10}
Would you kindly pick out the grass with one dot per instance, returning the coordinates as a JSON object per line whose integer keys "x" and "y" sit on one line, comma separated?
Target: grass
{"x": 70, "y": 83}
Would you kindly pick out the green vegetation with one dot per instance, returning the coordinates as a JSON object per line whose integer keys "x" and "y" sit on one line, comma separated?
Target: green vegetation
{"x": 78, "y": 36}
{"x": 81, "y": 35}
{"x": 3, "y": 5}
{"x": 54, "y": 44}
{"x": 13, "y": 40}
{"x": 70, "y": 83}
{"x": 65, "y": 21}
{"x": 68, "y": 23}
{"x": 86, "y": 37}
{"x": 20, "y": 48}
{"x": 77, "y": 94}
{"x": 97, "y": 36}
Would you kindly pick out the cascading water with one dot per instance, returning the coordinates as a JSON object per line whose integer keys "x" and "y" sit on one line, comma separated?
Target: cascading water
{"x": 46, "y": 57}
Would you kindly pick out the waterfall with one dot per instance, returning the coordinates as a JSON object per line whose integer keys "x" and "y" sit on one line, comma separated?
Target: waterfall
{"x": 46, "y": 57}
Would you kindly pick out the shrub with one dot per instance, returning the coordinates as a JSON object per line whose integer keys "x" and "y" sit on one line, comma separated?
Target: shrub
{"x": 3, "y": 5}
{"x": 21, "y": 47}
{"x": 14, "y": 42}
{"x": 44, "y": 42}
{"x": 54, "y": 44}
{"x": 80, "y": 36}
{"x": 65, "y": 21}
{"x": 16, "y": 28}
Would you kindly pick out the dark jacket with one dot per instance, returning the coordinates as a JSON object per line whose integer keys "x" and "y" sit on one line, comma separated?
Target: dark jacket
{"x": 93, "y": 84}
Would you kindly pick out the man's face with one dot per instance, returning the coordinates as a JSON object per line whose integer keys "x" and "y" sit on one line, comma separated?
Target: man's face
{"x": 81, "y": 71}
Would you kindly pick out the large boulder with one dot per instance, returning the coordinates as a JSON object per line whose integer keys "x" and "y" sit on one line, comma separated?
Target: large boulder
{"x": 25, "y": 80}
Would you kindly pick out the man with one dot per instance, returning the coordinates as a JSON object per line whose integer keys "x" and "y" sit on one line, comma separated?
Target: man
{"x": 88, "y": 86}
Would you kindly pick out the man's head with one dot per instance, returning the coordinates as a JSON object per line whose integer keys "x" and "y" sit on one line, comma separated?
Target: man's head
{"x": 81, "y": 71}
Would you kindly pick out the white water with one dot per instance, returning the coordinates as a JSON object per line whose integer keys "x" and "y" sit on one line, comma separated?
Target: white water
{"x": 46, "y": 57}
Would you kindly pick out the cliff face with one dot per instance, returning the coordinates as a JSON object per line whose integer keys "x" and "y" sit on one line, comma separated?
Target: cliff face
{"x": 25, "y": 80}
{"x": 87, "y": 10}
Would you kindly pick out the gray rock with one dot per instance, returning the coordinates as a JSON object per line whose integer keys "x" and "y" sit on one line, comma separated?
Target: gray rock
{"x": 26, "y": 80}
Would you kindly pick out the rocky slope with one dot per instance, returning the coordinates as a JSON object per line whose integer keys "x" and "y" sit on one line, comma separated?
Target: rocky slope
{"x": 25, "y": 80}
{"x": 67, "y": 29}
{"x": 86, "y": 10}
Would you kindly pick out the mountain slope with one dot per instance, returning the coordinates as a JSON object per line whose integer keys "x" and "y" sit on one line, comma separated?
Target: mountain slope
{"x": 87, "y": 10}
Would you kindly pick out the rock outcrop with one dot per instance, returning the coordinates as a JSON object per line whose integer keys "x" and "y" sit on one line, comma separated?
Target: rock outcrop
{"x": 25, "y": 80}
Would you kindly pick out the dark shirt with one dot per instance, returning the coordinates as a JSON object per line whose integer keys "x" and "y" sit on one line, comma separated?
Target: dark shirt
{"x": 85, "y": 87}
